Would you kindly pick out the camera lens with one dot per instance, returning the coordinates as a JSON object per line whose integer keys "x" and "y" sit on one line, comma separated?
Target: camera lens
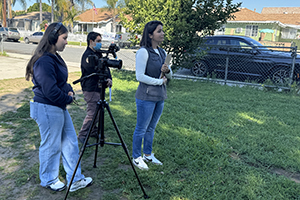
{"x": 115, "y": 63}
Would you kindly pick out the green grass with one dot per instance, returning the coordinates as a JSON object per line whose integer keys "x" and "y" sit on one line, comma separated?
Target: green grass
{"x": 77, "y": 43}
{"x": 216, "y": 142}
{"x": 3, "y": 53}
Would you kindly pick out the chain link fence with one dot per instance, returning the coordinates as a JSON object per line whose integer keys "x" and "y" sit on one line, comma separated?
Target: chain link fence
{"x": 128, "y": 58}
{"x": 264, "y": 65}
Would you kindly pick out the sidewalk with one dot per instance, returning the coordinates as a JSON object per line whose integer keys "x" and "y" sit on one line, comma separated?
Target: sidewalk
{"x": 14, "y": 65}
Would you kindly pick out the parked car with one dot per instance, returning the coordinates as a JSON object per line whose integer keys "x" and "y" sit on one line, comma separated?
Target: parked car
{"x": 34, "y": 38}
{"x": 247, "y": 60}
{"x": 123, "y": 40}
{"x": 10, "y": 33}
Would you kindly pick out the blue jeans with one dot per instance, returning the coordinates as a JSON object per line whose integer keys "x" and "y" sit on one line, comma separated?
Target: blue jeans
{"x": 58, "y": 138}
{"x": 148, "y": 114}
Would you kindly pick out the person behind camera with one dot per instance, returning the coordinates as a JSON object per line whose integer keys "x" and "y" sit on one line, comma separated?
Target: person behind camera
{"x": 90, "y": 87}
{"x": 152, "y": 74}
{"x": 52, "y": 94}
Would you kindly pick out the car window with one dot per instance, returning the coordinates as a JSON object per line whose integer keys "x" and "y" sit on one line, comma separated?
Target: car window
{"x": 35, "y": 34}
{"x": 1, "y": 29}
{"x": 13, "y": 30}
{"x": 41, "y": 33}
{"x": 210, "y": 41}
{"x": 221, "y": 42}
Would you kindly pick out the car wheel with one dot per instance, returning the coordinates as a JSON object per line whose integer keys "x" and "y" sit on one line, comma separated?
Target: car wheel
{"x": 26, "y": 40}
{"x": 280, "y": 76}
{"x": 199, "y": 68}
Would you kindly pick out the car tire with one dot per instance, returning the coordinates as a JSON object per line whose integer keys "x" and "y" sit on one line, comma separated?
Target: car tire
{"x": 26, "y": 40}
{"x": 199, "y": 68}
{"x": 280, "y": 76}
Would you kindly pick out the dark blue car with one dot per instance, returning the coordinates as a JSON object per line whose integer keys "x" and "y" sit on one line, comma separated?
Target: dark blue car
{"x": 243, "y": 58}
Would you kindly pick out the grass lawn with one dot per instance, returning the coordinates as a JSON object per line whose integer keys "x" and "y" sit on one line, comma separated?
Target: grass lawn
{"x": 215, "y": 142}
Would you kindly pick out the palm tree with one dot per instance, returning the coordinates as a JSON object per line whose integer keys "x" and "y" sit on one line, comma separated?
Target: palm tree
{"x": 70, "y": 17}
{"x": 41, "y": 10}
{"x": 11, "y": 3}
{"x": 114, "y": 5}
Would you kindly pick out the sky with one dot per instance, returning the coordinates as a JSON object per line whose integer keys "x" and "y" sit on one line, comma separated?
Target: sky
{"x": 250, "y": 4}
{"x": 18, "y": 6}
{"x": 259, "y": 4}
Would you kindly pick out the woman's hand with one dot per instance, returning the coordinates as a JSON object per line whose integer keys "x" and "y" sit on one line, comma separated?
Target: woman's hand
{"x": 164, "y": 80}
{"x": 70, "y": 94}
{"x": 165, "y": 69}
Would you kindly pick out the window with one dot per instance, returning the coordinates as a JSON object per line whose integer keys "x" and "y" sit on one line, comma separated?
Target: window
{"x": 238, "y": 30}
{"x": 118, "y": 28}
{"x": 251, "y": 30}
{"x": 220, "y": 31}
{"x": 289, "y": 33}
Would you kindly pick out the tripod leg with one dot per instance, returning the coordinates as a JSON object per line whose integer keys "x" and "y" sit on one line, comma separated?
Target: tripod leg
{"x": 125, "y": 149}
{"x": 100, "y": 129}
{"x": 83, "y": 149}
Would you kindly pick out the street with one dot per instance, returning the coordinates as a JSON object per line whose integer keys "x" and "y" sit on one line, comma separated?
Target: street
{"x": 71, "y": 54}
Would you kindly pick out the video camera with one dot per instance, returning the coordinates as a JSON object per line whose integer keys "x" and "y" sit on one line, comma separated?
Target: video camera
{"x": 101, "y": 63}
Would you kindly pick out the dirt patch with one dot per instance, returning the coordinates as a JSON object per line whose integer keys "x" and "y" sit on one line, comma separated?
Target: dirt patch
{"x": 292, "y": 176}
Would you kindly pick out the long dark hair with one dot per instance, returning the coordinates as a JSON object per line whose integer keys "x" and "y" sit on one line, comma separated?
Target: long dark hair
{"x": 149, "y": 29}
{"x": 43, "y": 46}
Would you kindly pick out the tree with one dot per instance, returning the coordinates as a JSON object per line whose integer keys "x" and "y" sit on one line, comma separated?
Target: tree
{"x": 36, "y": 7}
{"x": 114, "y": 6}
{"x": 184, "y": 21}
{"x": 11, "y": 3}
{"x": 70, "y": 17}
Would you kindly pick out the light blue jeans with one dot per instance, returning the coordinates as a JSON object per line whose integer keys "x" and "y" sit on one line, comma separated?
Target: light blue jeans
{"x": 148, "y": 114}
{"x": 58, "y": 138}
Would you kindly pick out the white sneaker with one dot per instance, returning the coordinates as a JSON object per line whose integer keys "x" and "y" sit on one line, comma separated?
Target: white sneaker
{"x": 139, "y": 162}
{"x": 152, "y": 159}
{"x": 81, "y": 184}
{"x": 58, "y": 186}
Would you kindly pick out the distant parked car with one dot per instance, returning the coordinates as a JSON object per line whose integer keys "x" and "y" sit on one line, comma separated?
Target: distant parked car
{"x": 10, "y": 33}
{"x": 247, "y": 60}
{"x": 123, "y": 40}
{"x": 34, "y": 38}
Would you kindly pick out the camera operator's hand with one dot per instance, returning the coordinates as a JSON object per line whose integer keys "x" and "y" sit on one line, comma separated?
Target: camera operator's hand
{"x": 109, "y": 82}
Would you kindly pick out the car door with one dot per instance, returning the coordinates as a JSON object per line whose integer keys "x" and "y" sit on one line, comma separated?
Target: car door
{"x": 242, "y": 61}
{"x": 34, "y": 37}
{"x": 216, "y": 55}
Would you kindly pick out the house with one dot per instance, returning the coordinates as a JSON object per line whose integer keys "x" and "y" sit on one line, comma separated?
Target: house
{"x": 280, "y": 24}
{"x": 29, "y": 21}
{"x": 101, "y": 18}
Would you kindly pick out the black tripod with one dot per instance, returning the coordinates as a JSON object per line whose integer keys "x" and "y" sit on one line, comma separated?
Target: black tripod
{"x": 101, "y": 105}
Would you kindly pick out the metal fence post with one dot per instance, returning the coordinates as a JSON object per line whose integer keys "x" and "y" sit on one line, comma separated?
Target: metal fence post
{"x": 226, "y": 66}
{"x": 294, "y": 54}
{"x": 2, "y": 43}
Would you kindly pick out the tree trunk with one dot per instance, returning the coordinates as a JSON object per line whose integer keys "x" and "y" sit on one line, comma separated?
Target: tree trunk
{"x": 41, "y": 15}
{"x": 52, "y": 11}
{"x": 9, "y": 5}
{"x": 4, "y": 13}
